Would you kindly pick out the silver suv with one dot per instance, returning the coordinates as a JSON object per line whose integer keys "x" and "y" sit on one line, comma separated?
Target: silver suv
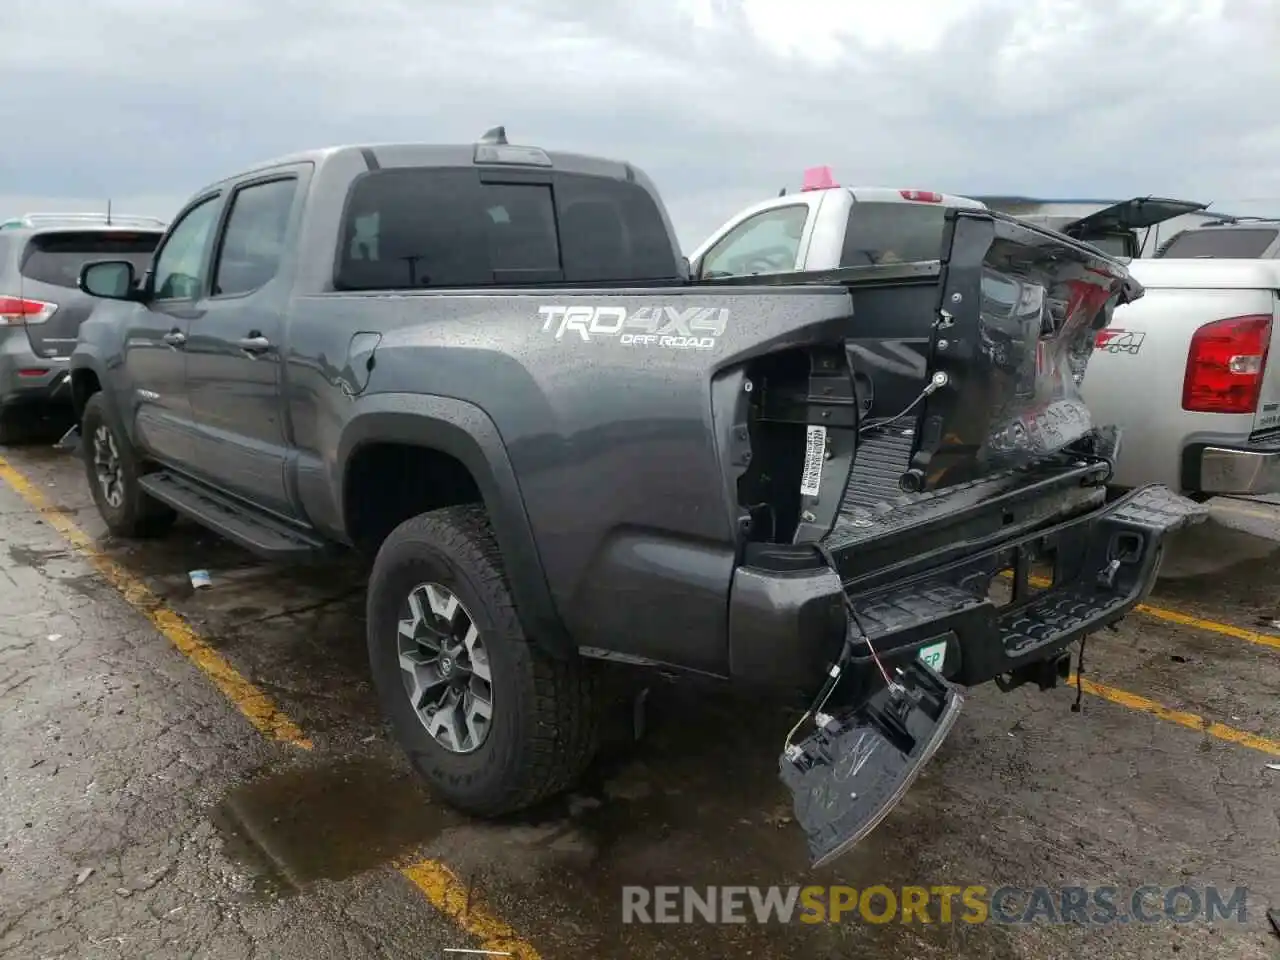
{"x": 1232, "y": 238}
{"x": 41, "y": 307}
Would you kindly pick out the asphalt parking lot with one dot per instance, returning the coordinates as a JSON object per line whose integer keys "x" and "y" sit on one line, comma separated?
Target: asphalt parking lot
{"x": 205, "y": 774}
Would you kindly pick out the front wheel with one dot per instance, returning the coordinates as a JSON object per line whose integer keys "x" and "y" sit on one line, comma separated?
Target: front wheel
{"x": 490, "y": 721}
{"x": 112, "y": 468}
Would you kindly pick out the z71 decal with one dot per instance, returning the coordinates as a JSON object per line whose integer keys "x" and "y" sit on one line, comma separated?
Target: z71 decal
{"x": 688, "y": 328}
{"x": 1113, "y": 340}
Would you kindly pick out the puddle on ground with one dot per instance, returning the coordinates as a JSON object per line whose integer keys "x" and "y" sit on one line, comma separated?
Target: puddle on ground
{"x": 296, "y": 827}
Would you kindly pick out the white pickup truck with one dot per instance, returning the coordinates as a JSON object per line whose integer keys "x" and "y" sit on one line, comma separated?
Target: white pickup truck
{"x": 1183, "y": 372}
{"x": 825, "y": 226}
{"x": 1189, "y": 375}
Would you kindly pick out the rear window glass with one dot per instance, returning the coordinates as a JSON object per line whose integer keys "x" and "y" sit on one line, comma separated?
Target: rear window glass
{"x": 1226, "y": 243}
{"x": 56, "y": 258}
{"x": 893, "y": 233}
{"x": 433, "y": 227}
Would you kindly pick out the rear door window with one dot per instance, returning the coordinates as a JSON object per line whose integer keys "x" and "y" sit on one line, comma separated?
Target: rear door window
{"x": 893, "y": 233}
{"x": 439, "y": 227}
{"x": 56, "y": 258}
{"x": 253, "y": 239}
{"x": 1227, "y": 243}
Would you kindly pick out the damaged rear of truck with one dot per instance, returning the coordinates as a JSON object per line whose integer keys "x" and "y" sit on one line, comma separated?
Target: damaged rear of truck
{"x": 921, "y": 495}
{"x": 486, "y": 367}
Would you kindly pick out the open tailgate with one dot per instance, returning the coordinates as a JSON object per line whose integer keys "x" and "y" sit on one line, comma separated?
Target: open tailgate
{"x": 1019, "y": 311}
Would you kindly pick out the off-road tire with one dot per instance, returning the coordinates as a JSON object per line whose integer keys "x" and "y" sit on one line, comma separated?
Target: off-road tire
{"x": 545, "y": 710}
{"x": 138, "y": 515}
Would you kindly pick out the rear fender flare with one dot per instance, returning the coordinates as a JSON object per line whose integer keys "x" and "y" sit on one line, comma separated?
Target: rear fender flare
{"x": 85, "y": 359}
{"x": 465, "y": 432}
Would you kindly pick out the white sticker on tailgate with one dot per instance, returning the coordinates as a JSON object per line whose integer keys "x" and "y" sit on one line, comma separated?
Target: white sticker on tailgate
{"x": 815, "y": 452}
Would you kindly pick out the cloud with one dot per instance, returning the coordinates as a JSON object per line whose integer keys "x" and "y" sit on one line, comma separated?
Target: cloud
{"x": 721, "y": 101}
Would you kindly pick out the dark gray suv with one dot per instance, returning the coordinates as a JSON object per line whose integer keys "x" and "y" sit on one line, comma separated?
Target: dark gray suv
{"x": 41, "y": 307}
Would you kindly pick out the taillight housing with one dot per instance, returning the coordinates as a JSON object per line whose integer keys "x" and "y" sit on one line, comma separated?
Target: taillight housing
{"x": 1225, "y": 365}
{"x": 20, "y": 311}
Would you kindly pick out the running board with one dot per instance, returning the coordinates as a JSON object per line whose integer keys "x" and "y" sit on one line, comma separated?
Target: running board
{"x": 265, "y": 535}
{"x": 850, "y": 773}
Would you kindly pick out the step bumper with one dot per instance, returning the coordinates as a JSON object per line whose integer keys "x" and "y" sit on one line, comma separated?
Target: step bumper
{"x": 1060, "y": 582}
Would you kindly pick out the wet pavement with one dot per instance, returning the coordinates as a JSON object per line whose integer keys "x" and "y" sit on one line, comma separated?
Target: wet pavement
{"x": 141, "y": 814}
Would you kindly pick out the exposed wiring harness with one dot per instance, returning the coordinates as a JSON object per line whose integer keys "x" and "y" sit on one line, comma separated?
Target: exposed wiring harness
{"x": 836, "y": 670}
{"x": 936, "y": 383}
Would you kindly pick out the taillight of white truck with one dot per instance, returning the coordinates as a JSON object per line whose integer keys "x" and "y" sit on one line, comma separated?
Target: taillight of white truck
{"x": 1225, "y": 365}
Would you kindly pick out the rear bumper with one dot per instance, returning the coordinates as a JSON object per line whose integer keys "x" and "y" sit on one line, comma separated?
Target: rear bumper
{"x": 786, "y": 629}
{"x": 26, "y": 378}
{"x": 1242, "y": 470}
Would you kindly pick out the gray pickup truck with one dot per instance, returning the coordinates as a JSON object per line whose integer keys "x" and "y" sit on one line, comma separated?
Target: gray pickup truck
{"x": 486, "y": 367}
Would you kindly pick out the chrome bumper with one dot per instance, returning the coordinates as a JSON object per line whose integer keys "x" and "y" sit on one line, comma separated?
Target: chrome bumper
{"x": 1239, "y": 471}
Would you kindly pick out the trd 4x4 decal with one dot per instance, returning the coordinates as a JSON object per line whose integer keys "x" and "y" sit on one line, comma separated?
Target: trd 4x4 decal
{"x": 688, "y": 328}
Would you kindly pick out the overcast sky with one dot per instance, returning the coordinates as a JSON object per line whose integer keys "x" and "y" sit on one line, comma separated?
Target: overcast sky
{"x": 722, "y": 102}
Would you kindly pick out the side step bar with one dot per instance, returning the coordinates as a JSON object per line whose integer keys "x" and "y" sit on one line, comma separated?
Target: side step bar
{"x": 240, "y": 523}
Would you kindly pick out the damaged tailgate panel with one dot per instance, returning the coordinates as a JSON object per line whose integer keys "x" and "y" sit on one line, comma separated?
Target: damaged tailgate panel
{"x": 1020, "y": 309}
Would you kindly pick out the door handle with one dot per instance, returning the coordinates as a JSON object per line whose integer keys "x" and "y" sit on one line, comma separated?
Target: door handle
{"x": 175, "y": 338}
{"x": 255, "y": 344}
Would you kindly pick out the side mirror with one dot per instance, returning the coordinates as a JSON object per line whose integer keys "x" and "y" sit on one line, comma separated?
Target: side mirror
{"x": 109, "y": 279}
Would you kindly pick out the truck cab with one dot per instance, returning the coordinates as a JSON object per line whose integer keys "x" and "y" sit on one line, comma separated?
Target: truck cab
{"x": 826, "y": 226}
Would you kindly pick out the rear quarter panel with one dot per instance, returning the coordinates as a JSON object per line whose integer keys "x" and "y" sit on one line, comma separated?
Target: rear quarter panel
{"x": 614, "y": 443}
{"x": 1136, "y": 373}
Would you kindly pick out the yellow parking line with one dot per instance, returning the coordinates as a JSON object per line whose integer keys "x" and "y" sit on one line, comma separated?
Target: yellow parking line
{"x": 1191, "y": 721}
{"x": 1213, "y": 626}
{"x": 434, "y": 880}
{"x": 256, "y": 706}
{"x": 454, "y": 899}
{"x": 1229, "y": 505}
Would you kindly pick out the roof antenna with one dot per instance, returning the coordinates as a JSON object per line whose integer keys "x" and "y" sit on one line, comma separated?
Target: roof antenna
{"x": 497, "y": 135}
{"x": 108, "y": 211}
{"x": 782, "y": 192}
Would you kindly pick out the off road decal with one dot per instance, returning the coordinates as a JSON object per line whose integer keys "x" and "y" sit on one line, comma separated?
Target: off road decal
{"x": 676, "y": 328}
{"x": 1114, "y": 340}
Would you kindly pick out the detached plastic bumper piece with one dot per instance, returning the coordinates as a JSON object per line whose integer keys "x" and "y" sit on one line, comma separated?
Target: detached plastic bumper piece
{"x": 846, "y": 777}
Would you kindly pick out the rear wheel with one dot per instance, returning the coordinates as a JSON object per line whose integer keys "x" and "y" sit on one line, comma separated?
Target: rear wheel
{"x": 112, "y": 468}
{"x": 489, "y": 720}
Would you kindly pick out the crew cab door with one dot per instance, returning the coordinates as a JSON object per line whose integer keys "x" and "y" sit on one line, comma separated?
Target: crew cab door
{"x": 155, "y": 334}
{"x": 239, "y": 440}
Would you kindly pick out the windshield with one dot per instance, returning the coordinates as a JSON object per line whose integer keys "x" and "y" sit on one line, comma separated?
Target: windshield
{"x": 1227, "y": 243}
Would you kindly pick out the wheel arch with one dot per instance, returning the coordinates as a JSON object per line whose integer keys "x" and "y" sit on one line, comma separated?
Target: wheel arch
{"x": 463, "y": 432}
